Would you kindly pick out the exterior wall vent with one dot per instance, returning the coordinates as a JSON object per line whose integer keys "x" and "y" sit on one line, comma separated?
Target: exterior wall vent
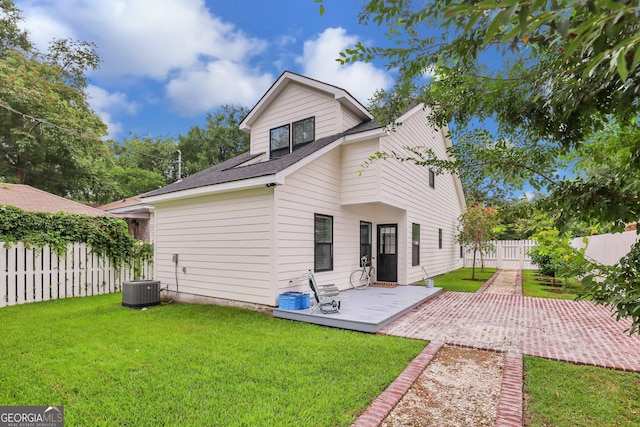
{"x": 140, "y": 293}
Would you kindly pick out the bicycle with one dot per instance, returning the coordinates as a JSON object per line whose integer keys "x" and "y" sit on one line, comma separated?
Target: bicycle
{"x": 364, "y": 276}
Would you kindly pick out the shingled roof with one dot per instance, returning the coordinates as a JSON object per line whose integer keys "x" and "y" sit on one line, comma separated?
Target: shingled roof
{"x": 233, "y": 169}
{"x": 31, "y": 199}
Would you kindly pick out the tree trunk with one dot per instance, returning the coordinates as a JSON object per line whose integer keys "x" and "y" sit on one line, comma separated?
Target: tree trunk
{"x": 473, "y": 266}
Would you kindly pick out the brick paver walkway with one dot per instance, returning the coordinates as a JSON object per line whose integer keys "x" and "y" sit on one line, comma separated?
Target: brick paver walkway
{"x": 578, "y": 332}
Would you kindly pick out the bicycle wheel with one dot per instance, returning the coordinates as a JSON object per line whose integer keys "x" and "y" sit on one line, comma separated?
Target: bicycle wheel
{"x": 372, "y": 275}
{"x": 359, "y": 279}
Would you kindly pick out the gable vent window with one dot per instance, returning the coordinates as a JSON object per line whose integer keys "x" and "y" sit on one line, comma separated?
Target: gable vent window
{"x": 283, "y": 140}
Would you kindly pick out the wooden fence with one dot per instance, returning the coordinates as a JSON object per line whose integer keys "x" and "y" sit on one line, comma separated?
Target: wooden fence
{"x": 514, "y": 254}
{"x": 507, "y": 254}
{"x": 607, "y": 249}
{"x": 38, "y": 274}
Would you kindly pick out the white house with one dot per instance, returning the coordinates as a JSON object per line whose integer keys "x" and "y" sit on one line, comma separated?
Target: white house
{"x": 247, "y": 229}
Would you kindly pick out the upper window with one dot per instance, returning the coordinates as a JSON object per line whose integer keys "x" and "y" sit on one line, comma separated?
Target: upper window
{"x": 279, "y": 141}
{"x": 323, "y": 243}
{"x": 432, "y": 178}
{"x": 304, "y": 131}
{"x": 415, "y": 244}
{"x": 365, "y": 240}
{"x": 439, "y": 238}
{"x": 283, "y": 140}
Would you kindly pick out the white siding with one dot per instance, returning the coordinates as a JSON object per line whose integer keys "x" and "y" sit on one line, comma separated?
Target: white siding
{"x": 223, "y": 242}
{"x": 317, "y": 189}
{"x": 296, "y": 102}
{"x": 359, "y": 185}
{"x": 406, "y": 185}
{"x": 349, "y": 119}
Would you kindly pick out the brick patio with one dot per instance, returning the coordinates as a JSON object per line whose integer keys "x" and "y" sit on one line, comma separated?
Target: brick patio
{"x": 577, "y": 332}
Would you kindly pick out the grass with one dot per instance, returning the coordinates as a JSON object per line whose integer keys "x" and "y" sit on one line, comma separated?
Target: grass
{"x": 460, "y": 280}
{"x": 532, "y": 287}
{"x": 184, "y": 364}
{"x": 562, "y": 394}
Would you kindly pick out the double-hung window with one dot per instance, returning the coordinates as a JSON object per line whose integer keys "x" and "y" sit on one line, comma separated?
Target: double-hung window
{"x": 415, "y": 244}
{"x": 288, "y": 138}
{"x": 323, "y": 243}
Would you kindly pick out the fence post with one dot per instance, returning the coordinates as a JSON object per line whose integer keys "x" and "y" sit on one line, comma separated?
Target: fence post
{"x": 498, "y": 245}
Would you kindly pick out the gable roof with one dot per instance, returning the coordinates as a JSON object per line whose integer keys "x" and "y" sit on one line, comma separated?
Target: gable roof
{"x": 236, "y": 170}
{"x": 31, "y": 199}
{"x": 339, "y": 94}
{"x": 233, "y": 170}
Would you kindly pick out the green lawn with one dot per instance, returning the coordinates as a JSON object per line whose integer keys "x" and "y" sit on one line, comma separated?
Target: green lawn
{"x": 460, "y": 280}
{"x": 184, "y": 364}
{"x": 562, "y": 394}
{"x": 536, "y": 286}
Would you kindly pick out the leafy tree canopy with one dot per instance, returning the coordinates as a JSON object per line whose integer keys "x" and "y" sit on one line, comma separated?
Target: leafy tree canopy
{"x": 49, "y": 137}
{"x": 219, "y": 140}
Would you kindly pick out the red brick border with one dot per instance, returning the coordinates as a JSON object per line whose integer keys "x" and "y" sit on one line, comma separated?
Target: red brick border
{"x": 384, "y": 404}
{"x": 488, "y": 282}
{"x": 510, "y": 405}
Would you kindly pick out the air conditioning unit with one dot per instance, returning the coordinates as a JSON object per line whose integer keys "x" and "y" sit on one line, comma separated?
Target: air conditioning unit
{"x": 140, "y": 293}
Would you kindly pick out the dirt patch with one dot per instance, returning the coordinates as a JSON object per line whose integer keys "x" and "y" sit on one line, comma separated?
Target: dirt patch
{"x": 460, "y": 387}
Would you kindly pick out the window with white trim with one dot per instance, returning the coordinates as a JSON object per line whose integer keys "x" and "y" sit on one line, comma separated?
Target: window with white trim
{"x": 323, "y": 243}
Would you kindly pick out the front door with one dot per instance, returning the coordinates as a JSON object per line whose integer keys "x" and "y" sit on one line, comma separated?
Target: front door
{"x": 387, "y": 253}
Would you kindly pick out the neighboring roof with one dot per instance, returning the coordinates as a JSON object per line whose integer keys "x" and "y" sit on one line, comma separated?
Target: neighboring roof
{"x": 123, "y": 203}
{"x": 31, "y": 199}
{"x": 232, "y": 169}
{"x": 339, "y": 94}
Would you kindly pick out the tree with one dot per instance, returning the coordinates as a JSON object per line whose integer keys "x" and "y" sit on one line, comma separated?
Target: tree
{"x": 477, "y": 230}
{"x": 49, "y": 137}
{"x": 219, "y": 140}
{"x": 11, "y": 36}
{"x": 569, "y": 73}
{"x": 144, "y": 164}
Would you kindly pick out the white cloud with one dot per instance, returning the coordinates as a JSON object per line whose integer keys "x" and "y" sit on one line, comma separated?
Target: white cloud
{"x": 142, "y": 37}
{"x": 319, "y": 61}
{"x": 102, "y": 103}
{"x": 178, "y": 43}
{"x": 203, "y": 87}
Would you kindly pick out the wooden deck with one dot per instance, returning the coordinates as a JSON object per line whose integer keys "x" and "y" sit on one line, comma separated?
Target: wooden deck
{"x": 368, "y": 310}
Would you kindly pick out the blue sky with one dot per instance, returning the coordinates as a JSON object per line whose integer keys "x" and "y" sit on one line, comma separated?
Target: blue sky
{"x": 167, "y": 63}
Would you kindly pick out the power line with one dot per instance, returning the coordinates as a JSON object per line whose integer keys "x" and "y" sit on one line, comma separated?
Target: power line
{"x": 72, "y": 132}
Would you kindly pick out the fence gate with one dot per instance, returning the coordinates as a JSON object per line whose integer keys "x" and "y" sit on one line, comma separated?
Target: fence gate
{"x": 506, "y": 255}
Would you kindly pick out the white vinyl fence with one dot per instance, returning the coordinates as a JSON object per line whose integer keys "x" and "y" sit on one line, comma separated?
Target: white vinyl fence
{"x": 607, "y": 249}
{"x": 507, "y": 255}
{"x": 35, "y": 274}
